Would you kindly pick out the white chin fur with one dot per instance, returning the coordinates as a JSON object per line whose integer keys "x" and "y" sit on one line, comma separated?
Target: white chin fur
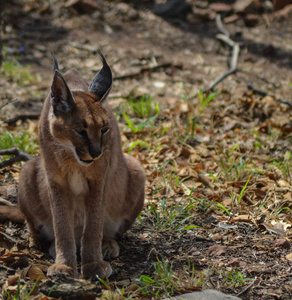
{"x": 82, "y": 163}
{"x": 85, "y": 164}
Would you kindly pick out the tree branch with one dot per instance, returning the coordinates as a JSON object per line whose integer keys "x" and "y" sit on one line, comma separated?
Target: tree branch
{"x": 12, "y": 121}
{"x": 19, "y": 156}
{"x": 234, "y": 58}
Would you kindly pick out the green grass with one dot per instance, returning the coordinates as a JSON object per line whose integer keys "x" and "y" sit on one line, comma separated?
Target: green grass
{"x": 139, "y": 125}
{"x": 142, "y": 107}
{"x": 193, "y": 117}
{"x": 164, "y": 281}
{"x": 22, "y": 292}
{"x": 22, "y": 140}
{"x": 236, "y": 278}
{"x": 139, "y": 113}
{"x": 172, "y": 214}
{"x": 15, "y": 71}
{"x": 285, "y": 166}
{"x": 234, "y": 167}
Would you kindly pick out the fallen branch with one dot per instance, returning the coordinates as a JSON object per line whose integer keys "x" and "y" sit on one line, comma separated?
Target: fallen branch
{"x": 6, "y": 202}
{"x": 19, "y": 156}
{"x": 7, "y": 102}
{"x": 224, "y": 37}
{"x": 264, "y": 94}
{"x": 12, "y": 121}
{"x": 247, "y": 288}
{"x": 218, "y": 80}
{"x": 220, "y": 26}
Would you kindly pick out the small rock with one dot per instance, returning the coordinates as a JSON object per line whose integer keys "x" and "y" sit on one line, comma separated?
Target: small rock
{"x": 282, "y": 243}
{"x": 11, "y": 191}
{"x": 289, "y": 256}
{"x": 205, "y": 295}
{"x": 171, "y": 8}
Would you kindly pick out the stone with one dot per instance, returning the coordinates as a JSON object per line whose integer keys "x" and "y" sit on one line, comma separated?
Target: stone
{"x": 11, "y": 191}
{"x": 171, "y": 8}
{"x": 204, "y": 295}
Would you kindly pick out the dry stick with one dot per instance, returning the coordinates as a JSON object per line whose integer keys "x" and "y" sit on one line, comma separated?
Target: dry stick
{"x": 220, "y": 26}
{"x": 8, "y": 102}
{"x": 246, "y": 289}
{"x": 19, "y": 156}
{"x": 13, "y": 120}
{"x": 264, "y": 93}
{"x": 235, "y": 53}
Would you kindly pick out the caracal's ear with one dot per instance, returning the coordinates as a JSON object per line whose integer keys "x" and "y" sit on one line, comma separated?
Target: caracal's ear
{"x": 55, "y": 61}
{"x": 61, "y": 97}
{"x": 102, "y": 82}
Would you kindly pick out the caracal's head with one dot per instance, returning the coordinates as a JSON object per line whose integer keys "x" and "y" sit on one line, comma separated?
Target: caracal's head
{"x": 78, "y": 119}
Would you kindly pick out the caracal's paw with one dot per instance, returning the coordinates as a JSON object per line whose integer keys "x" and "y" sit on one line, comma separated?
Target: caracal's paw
{"x": 110, "y": 248}
{"x": 60, "y": 268}
{"x": 101, "y": 269}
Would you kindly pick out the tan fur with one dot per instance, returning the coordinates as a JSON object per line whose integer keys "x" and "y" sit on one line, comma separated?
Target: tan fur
{"x": 68, "y": 202}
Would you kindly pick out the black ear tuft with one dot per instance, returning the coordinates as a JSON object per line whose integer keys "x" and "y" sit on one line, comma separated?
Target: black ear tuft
{"x": 61, "y": 97}
{"x": 55, "y": 61}
{"x": 102, "y": 82}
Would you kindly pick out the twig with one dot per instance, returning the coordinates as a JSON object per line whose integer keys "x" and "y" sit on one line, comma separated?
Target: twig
{"x": 12, "y": 121}
{"x": 19, "y": 156}
{"x": 220, "y": 26}
{"x": 234, "y": 58}
{"x": 8, "y": 102}
{"x": 6, "y": 202}
{"x": 247, "y": 288}
{"x": 218, "y": 80}
{"x": 226, "y": 39}
{"x": 285, "y": 102}
{"x": 8, "y": 237}
{"x": 257, "y": 91}
{"x": 264, "y": 94}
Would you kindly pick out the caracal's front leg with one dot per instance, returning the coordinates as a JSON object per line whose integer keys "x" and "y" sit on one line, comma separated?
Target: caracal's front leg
{"x": 91, "y": 249}
{"x": 63, "y": 222}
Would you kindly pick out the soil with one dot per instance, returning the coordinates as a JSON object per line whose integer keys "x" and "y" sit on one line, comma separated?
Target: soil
{"x": 171, "y": 58}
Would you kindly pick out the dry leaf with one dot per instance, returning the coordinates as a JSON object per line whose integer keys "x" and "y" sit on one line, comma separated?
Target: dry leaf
{"x": 216, "y": 250}
{"x": 242, "y": 218}
{"x": 12, "y": 279}
{"x": 35, "y": 273}
{"x": 282, "y": 243}
{"x": 289, "y": 256}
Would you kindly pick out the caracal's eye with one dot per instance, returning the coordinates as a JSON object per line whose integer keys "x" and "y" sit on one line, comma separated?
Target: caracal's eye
{"x": 104, "y": 130}
{"x": 81, "y": 132}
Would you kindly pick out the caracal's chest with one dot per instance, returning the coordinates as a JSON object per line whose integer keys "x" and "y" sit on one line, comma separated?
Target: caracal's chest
{"x": 78, "y": 185}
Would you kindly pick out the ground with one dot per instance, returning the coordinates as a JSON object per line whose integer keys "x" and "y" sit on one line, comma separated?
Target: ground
{"x": 218, "y": 193}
